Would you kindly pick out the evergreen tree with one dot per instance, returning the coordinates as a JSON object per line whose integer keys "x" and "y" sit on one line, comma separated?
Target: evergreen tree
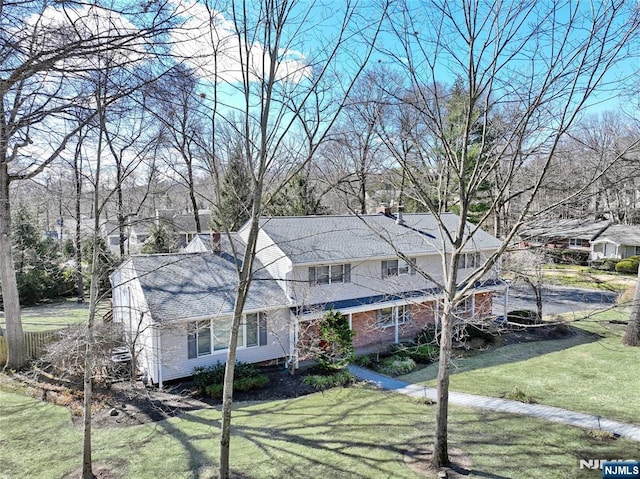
{"x": 160, "y": 240}
{"x": 297, "y": 198}
{"x": 234, "y": 198}
{"x": 36, "y": 259}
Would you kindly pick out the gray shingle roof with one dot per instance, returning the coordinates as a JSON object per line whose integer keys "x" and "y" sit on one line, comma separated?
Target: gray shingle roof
{"x": 314, "y": 239}
{"x": 193, "y": 285}
{"x": 564, "y": 229}
{"x": 621, "y": 234}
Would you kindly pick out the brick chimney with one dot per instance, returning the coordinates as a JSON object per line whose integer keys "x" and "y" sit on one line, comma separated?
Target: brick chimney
{"x": 399, "y": 218}
{"x": 383, "y": 210}
{"x": 215, "y": 241}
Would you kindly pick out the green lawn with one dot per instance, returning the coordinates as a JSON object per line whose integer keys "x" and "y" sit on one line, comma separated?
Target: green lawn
{"x": 586, "y": 277}
{"x": 341, "y": 433}
{"x": 53, "y": 316}
{"x": 590, "y": 372}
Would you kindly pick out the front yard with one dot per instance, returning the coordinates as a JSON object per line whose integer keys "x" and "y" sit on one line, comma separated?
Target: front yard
{"x": 355, "y": 432}
{"x": 360, "y": 432}
{"x": 590, "y": 372}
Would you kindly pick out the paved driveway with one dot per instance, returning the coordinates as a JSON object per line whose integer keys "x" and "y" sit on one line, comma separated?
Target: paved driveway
{"x": 556, "y": 300}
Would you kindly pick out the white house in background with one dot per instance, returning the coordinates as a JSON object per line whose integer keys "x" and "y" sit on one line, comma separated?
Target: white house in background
{"x": 178, "y": 307}
{"x": 616, "y": 242}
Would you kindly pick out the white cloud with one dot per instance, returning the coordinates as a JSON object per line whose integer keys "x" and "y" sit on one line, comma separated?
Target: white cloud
{"x": 208, "y": 42}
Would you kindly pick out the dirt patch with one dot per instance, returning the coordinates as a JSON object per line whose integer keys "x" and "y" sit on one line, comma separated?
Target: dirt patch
{"x": 132, "y": 403}
{"x": 419, "y": 461}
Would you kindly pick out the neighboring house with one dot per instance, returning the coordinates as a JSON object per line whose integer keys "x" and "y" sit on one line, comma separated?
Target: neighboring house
{"x": 179, "y": 306}
{"x": 562, "y": 234}
{"x": 183, "y": 225}
{"x": 617, "y": 242}
{"x": 136, "y": 232}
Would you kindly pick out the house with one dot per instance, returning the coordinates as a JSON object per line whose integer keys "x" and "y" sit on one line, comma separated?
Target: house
{"x": 617, "y": 241}
{"x": 135, "y": 232}
{"x": 177, "y": 308}
{"x": 561, "y": 233}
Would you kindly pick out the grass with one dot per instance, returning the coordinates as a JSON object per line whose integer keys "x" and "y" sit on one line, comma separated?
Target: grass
{"x": 590, "y": 372}
{"x": 586, "y": 277}
{"x": 54, "y": 315}
{"x": 341, "y": 433}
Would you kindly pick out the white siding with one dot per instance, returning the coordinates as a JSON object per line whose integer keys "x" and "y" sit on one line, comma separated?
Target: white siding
{"x": 130, "y": 308}
{"x": 366, "y": 280}
{"x": 175, "y": 359}
{"x": 273, "y": 259}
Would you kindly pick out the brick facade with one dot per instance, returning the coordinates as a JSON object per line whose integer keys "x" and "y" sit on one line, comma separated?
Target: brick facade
{"x": 367, "y": 333}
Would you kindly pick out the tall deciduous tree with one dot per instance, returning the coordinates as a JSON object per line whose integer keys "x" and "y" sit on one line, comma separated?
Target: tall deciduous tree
{"x": 46, "y": 55}
{"x": 278, "y": 94}
{"x": 535, "y": 64}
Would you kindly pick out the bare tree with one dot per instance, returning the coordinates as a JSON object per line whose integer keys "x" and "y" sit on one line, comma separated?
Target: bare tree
{"x": 533, "y": 65}
{"x": 254, "y": 56}
{"x": 47, "y": 52}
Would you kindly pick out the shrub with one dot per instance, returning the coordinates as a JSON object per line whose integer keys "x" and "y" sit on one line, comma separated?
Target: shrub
{"x": 569, "y": 256}
{"x": 427, "y": 336}
{"x": 421, "y": 353}
{"x": 608, "y": 264}
{"x": 473, "y": 331}
{"x": 210, "y": 379}
{"x": 628, "y": 265}
{"x": 326, "y": 381}
{"x": 396, "y": 366}
{"x": 364, "y": 361}
{"x": 522, "y": 316}
{"x": 336, "y": 341}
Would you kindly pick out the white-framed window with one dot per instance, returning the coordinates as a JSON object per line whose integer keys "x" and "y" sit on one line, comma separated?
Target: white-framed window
{"x": 465, "y": 305}
{"x": 386, "y": 317}
{"x": 575, "y": 242}
{"x": 469, "y": 260}
{"x": 329, "y": 274}
{"x": 205, "y": 337}
{"x": 398, "y": 267}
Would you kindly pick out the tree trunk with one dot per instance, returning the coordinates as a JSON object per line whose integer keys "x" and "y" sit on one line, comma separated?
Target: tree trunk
{"x": 87, "y": 463}
{"x": 11, "y": 301}
{"x": 632, "y": 334}
{"x": 243, "y": 289}
{"x": 78, "y": 237}
{"x": 440, "y": 456}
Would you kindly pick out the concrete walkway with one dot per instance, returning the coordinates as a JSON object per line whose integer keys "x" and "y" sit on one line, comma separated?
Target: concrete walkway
{"x": 550, "y": 413}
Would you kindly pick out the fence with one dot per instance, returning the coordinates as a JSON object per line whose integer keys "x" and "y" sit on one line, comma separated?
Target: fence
{"x": 34, "y": 343}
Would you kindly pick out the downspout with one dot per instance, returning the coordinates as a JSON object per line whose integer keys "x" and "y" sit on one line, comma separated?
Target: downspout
{"x": 159, "y": 357}
{"x": 506, "y": 301}
{"x": 395, "y": 333}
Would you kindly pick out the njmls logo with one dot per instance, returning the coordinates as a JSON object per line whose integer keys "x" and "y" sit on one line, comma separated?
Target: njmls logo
{"x": 613, "y": 468}
{"x": 595, "y": 463}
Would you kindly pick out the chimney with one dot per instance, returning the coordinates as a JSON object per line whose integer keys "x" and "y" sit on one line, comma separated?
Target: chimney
{"x": 399, "y": 218}
{"x": 215, "y": 241}
{"x": 383, "y": 210}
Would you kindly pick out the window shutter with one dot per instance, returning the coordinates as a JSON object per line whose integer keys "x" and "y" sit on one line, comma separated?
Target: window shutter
{"x": 384, "y": 269}
{"x": 347, "y": 273}
{"x": 262, "y": 329}
{"x": 312, "y": 275}
{"x": 192, "y": 345}
{"x": 412, "y": 266}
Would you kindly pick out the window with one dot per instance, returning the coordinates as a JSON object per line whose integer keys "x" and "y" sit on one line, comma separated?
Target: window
{"x": 465, "y": 305}
{"x": 199, "y": 339}
{"x": 637, "y": 251}
{"x": 575, "y": 242}
{"x": 387, "y": 316}
{"x": 398, "y": 267}
{"x": 205, "y": 337}
{"x": 469, "y": 260}
{"x": 256, "y": 329}
{"x": 335, "y": 273}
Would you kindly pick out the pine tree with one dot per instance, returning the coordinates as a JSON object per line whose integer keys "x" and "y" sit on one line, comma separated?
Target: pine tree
{"x": 234, "y": 200}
